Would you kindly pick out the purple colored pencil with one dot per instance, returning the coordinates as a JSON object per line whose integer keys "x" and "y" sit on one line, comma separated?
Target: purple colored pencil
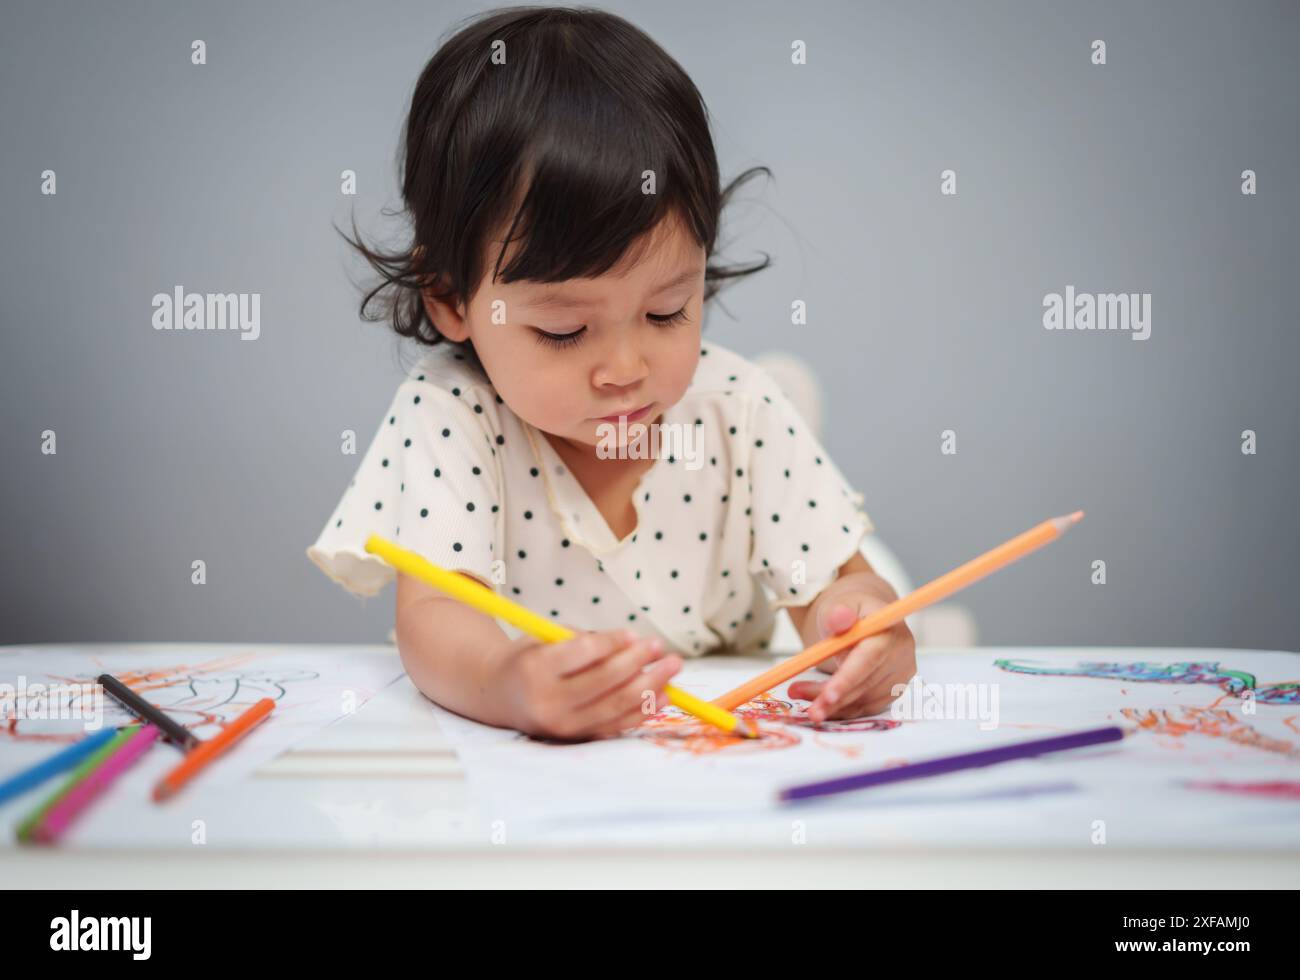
{"x": 953, "y": 763}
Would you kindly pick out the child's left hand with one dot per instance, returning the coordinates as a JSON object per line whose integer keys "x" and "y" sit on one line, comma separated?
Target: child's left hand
{"x": 865, "y": 674}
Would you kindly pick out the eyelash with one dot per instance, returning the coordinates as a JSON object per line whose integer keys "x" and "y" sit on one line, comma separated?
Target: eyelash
{"x": 569, "y": 339}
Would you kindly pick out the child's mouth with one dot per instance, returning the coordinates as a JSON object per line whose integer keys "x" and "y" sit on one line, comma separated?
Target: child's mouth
{"x": 630, "y": 416}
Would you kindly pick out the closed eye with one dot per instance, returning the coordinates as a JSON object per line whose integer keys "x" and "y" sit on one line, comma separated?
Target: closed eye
{"x": 573, "y": 337}
{"x": 560, "y": 339}
{"x": 666, "y": 318}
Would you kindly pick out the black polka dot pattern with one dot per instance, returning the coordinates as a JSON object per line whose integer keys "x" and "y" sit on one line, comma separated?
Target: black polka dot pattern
{"x": 800, "y": 504}
{"x": 749, "y": 511}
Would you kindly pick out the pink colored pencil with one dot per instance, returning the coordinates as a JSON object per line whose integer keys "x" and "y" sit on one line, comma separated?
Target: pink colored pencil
{"x": 66, "y": 810}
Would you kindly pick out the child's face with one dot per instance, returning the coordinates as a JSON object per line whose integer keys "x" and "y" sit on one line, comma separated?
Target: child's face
{"x": 615, "y": 359}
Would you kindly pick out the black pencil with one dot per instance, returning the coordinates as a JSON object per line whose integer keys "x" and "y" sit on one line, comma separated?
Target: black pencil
{"x": 172, "y": 730}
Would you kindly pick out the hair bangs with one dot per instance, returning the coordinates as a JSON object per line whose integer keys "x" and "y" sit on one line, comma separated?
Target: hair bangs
{"x": 545, "y": 144}
{"x": 590, "y": 206}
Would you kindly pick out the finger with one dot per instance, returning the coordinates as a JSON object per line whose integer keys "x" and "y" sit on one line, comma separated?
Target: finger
{"x": 613, "y": 672}
{"x": 861, "y": 706}
{"x": 619, "y": 712}
{"x": 835, "y": 619}
{"x": 832, "y": 663}
{"x": 628, "y": 721}
{"x": 586, "y": 649}
{"x": 832, "y": 621}
{"x": 876, "y": 691}
{"x": 881, "y": 694}
{"x": 863, "y": 660}
{"x": 869, "y": 686}
{"x": 805, "y": 690}
{"x": 611, "y": 711}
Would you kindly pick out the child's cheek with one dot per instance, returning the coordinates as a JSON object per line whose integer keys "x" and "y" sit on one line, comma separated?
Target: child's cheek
{"x": 552, "y": 402}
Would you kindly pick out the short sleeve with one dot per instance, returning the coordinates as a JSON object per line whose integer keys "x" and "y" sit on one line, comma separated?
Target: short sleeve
{"x": 805, "y": 519}
{"x": 429, "y": 481}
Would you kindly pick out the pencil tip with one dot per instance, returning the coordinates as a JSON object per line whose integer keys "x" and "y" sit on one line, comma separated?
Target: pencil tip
{"x": 1067, "y": 521}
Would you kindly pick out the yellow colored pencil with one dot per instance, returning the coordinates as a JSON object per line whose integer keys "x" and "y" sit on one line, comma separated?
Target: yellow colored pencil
{"x": 499, "y": 607}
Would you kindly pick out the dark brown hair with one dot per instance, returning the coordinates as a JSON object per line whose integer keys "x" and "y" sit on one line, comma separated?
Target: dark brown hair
{"x": 551, "y": 145}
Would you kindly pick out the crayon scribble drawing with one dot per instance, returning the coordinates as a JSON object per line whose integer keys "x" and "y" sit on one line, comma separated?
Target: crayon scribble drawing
{"x": 1234, "y": 683}
{"x": 1277, "y": 790}
{"x": 203, "y": 697}
{"x": 1215, "y": 722}
{"x": 776, "y": 721}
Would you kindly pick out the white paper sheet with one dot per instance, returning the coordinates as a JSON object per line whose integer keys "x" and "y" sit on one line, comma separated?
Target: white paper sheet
{"x": 1148, "y": 792}
{"x": 202, "y": 688}
{"x": 1214, "y": 736}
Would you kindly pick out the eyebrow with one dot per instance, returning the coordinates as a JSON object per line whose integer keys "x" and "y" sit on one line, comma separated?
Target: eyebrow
{"x": 559, "y": 301}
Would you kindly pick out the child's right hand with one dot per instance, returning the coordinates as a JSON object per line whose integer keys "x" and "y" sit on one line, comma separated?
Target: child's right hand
{"x": 591, "y": 686}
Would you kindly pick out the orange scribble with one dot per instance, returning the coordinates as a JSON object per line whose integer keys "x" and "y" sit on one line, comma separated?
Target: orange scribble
{"x": 1283, "y": 790}
{"x": 161, "y": 677}
{"x": 848, "y": 751}
{"x": 11, "y": 730}
{"x": 1214, "y": 722}
{"x": 673, "y": 730}
{"x": 226, "y": 690}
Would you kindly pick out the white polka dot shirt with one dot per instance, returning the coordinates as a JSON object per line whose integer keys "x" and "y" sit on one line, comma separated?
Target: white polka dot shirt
{"x": 749, "y": 516}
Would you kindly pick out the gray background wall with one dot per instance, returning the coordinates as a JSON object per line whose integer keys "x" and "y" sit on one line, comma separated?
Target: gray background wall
{"x": 925, "y": 311}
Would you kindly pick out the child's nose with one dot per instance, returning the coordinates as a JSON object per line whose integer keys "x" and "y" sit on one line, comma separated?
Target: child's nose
{"x": 623, "y": 369}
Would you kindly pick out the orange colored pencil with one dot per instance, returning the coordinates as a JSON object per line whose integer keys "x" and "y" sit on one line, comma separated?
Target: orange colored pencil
{"x": 886, "y": 616}
{"x": 205, "y": 752}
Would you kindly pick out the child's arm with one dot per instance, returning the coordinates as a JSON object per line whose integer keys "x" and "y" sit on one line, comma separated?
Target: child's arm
{"x": 866, "y": 675}
{"x": 590, "y": 686}
{"x": 451, "y": 651}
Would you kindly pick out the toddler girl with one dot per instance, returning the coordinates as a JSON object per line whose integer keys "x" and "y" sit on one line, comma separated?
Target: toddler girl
{"x": 568, "y": 438}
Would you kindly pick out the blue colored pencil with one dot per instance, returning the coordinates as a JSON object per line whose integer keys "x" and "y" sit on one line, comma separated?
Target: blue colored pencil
{"x": 55, "y": 764}
{"x": 953, "y": 763}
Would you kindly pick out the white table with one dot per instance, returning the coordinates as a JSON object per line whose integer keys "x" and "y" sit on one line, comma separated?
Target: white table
{"x": 343, "y": 810}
